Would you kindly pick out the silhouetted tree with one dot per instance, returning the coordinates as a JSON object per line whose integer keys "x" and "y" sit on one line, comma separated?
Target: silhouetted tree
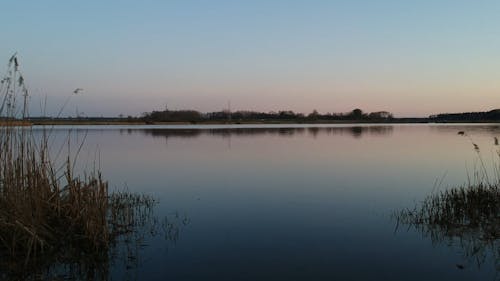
{"x": 356, "y": 114}
{"x": 314, "y": 115}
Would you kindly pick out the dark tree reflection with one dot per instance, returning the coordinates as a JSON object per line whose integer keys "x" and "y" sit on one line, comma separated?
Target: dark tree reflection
{"x": 354, "y": 131}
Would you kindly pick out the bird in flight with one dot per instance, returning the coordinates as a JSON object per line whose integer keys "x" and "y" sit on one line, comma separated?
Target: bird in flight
{"x": 77, "y": 90}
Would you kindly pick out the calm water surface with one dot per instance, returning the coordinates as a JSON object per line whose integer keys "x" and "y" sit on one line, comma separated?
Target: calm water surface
{"x": 291, "y": 202}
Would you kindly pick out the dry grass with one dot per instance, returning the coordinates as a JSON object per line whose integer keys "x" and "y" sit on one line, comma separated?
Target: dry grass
{"x": 38, "y": 203}
{"x": 47, "y": 214}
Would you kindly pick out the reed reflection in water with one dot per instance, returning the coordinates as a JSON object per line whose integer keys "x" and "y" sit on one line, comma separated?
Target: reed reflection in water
{"x": 467, "y": 217}
{"x": 131, "y": 223}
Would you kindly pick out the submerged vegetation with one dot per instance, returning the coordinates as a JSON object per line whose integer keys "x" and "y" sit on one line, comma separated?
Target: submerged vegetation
{"x": 53, "y": 222}
{"x": 466, "y": 216}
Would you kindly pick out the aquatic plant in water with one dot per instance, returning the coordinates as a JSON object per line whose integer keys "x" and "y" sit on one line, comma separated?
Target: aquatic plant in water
{"x": 467, "y": 216}
{"x": 53, "y": 222}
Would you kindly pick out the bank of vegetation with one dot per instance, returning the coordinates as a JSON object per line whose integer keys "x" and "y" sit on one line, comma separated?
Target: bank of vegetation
{"x": 482, "y": 116}
{"x": 52, "y": 220}
{"x": 273, "y": 117}
{"x": 254, "y": 116}
{"x": 226, "y": 117}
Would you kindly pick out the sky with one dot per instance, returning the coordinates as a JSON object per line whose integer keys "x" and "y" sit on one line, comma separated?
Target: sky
{"x": 412, "y": 58}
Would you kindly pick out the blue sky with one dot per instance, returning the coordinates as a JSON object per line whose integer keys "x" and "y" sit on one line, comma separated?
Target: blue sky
{"x": 413, "y": 58}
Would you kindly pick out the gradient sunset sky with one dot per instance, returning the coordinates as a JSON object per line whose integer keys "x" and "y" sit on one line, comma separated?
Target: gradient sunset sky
{"x": 413, "y": 58}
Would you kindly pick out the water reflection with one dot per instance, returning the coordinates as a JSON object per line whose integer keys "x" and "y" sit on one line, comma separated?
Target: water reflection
{"x": 472, "y": 129}
{"x": 132, "y": 223}
{"x": 467, "y": 217}
{"x": 292, "y": 203}
{"x": 354, "y": 131}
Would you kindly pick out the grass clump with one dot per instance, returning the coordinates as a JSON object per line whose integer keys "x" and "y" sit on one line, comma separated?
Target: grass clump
{"x": 39, "y": 204}
{"x": 466, "y": 216}
{"x": 470, "y": 209}
{"x": 49, "y": 217}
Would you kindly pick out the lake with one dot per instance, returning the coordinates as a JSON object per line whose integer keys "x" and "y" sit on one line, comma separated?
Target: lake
{"x": 291, "y": 202}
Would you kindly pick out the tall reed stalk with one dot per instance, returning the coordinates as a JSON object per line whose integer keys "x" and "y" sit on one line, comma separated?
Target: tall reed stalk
{"x": 46, "y": 211}
{"x": 467, "y": 216}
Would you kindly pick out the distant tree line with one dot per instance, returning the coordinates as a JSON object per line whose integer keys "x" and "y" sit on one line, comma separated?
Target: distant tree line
{"x": 173, "y": 116}
{"x": 486, "y": 116}
{"x": 246, "y": 116}
{"x": 225, "y": 116}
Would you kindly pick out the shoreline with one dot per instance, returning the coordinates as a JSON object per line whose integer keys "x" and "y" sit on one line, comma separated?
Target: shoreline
{"x": 209, "y": 123}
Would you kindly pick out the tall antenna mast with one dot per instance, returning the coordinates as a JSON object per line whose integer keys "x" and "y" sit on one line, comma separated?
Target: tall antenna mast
{"x": 229, "y": 111}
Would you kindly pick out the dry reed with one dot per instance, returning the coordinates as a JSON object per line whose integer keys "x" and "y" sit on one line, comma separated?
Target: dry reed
{"x": 48, "y": 215}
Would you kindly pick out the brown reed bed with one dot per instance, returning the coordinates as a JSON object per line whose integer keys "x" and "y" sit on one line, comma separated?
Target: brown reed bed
{"x": 51, "y": 218}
